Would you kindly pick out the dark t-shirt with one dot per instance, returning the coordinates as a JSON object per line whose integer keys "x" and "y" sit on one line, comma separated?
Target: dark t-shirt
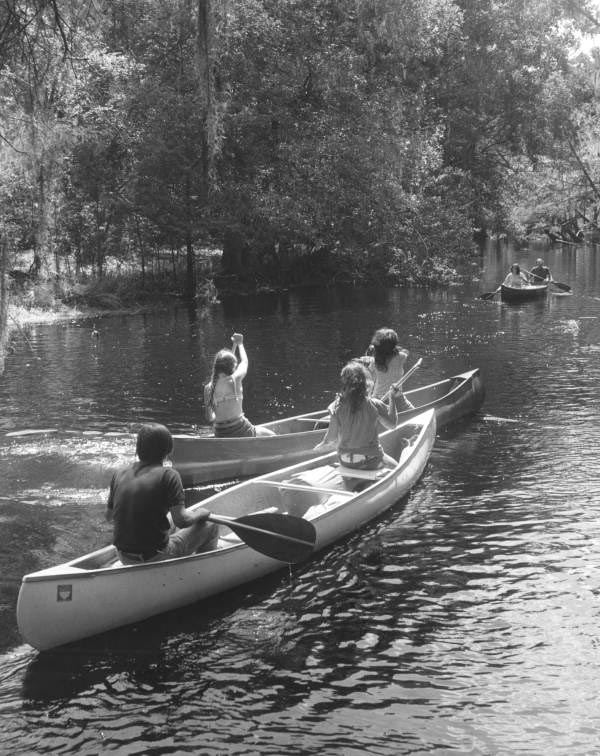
{"x": 140, "y": 497}
{"x": 539, "y": 274}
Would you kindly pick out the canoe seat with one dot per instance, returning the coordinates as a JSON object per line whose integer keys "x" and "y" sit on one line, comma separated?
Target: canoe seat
{"x": 319, "y": 509}
{"x": 232, "y": 539}
{"x": 350, "y": 472}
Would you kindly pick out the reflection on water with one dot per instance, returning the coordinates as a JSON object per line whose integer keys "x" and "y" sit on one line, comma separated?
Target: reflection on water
{"x": 464, "y": 620}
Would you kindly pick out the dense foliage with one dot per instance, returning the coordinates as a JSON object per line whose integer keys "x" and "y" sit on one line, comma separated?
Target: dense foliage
{"x": 320, "y": 141}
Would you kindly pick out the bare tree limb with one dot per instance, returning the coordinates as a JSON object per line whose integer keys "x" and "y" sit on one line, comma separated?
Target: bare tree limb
{"x": 585, "y": 171}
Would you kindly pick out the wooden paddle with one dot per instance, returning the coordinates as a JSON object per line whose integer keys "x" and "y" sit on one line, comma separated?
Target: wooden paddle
{"x": 408, "y": 373}
{"x": 279, "y": 536}
{"x": 489, "y": 294}
{"x": 561, "y": 286}
{"x": 405, "y": 377}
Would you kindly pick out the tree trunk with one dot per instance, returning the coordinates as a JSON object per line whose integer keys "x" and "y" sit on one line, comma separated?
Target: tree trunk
{"x": 3, "y": 303}
{"x": 205, "y": 82}
{"x": 191, "y": 270}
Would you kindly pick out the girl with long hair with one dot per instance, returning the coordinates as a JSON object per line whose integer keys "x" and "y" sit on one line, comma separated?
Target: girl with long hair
{"x": 355, "y": 418}
{"x": 515, "y": 278}
{"x": 223, "y": 394}
{"x": 385, "y": 362}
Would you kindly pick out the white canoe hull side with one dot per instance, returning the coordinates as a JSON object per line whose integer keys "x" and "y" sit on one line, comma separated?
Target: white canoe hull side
{"x": 67, "y": 603}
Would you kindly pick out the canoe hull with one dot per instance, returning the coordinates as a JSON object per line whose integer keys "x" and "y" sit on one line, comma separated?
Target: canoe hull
{"x": 200, "y": 459}
{"x": 94, "y": 594}
{"x": 525, "y": 294}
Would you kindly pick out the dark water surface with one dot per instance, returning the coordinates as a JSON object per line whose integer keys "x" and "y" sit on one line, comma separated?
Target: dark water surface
{"x": 465, "y": 621}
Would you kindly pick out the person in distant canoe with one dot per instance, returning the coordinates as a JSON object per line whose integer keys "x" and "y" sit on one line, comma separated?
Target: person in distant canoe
{"x": 385, "y": 362}
{"x": 355, "y": 418}
{"x": 541, "y": 273}
{"x": 515, "y": 278}
{"x": 223, "y": 394}
{"x": 140, "y": 498}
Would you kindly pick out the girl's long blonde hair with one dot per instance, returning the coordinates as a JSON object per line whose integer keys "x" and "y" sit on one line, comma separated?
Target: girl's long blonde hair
{"x": 353, "y": 379}
{"x": 225, "y": 363}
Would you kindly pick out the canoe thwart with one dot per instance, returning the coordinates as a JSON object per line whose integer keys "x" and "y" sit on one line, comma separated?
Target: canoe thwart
{"x": 301, "y": 487}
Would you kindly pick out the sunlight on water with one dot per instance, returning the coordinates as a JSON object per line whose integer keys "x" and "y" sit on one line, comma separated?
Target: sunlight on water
{"x": 464, "y": 620}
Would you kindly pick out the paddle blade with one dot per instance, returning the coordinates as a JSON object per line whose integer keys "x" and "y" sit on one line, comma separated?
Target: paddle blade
{"x": 488, "y": 294}
{"x": 284, "y": 537}
{"x": 561, "y": 286}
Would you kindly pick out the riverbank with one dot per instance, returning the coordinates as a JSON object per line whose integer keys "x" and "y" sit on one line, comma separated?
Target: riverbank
{"x": 60, "y": 299}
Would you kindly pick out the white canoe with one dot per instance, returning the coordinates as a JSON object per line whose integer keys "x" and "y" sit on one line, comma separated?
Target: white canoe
{"x": 200, "y": 459}
{"x": 96, "y": 592}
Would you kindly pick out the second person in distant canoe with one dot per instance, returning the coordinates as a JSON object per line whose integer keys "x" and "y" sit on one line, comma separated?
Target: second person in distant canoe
{"x": 385, "y": 363}
{"x": 223, "y": 394}
{"x": 541, "y": 273}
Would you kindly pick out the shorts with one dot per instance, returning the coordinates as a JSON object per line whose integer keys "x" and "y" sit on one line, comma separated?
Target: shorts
{"x": 240, "y": 427}
{"x": 183, "y": 542}
{"x": 360, "y": 461}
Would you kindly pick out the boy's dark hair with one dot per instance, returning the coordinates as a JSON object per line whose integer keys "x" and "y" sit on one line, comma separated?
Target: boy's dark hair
{"x": 154, "y": 442}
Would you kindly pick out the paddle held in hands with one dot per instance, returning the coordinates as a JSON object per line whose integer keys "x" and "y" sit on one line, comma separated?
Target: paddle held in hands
{"x": 279, "y": 536}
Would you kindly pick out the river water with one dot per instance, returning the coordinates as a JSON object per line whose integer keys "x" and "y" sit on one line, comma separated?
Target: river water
{"x": 464, "y": 621}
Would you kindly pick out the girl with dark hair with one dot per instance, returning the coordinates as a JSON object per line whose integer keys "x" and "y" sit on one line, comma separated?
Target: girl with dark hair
{"x": 385, "y": 363}
{"x": 515, "y": 278}
{"x": 223, "y": 394}
{"x": 355, "y": 418}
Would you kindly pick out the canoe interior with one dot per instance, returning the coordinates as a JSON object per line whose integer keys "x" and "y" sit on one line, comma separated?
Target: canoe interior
{"x": 310, "y": 490}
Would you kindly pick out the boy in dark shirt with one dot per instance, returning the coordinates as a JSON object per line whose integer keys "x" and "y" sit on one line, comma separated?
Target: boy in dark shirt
{"x": 143, "y": 494}
{"x": 540, "y": 273}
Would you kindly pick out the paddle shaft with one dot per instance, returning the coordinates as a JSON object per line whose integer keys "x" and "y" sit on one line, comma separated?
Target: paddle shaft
{"x": 490, "y": 294}
{"x": 408, "y": 373}
{"x": 562, "y": 286}
{"x": 231, "y": 521}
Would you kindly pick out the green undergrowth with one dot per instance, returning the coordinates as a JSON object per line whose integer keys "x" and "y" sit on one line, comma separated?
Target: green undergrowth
{"x": 61, "y": 297}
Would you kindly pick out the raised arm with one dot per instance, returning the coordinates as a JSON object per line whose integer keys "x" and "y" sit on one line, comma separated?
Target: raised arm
{"x": 242, "y": 368}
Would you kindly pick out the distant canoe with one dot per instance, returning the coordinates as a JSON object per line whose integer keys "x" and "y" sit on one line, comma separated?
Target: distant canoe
{"x": 200, "y": 459}
{"x": 96, "y": 592}
{"x": 524, "y": 294}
